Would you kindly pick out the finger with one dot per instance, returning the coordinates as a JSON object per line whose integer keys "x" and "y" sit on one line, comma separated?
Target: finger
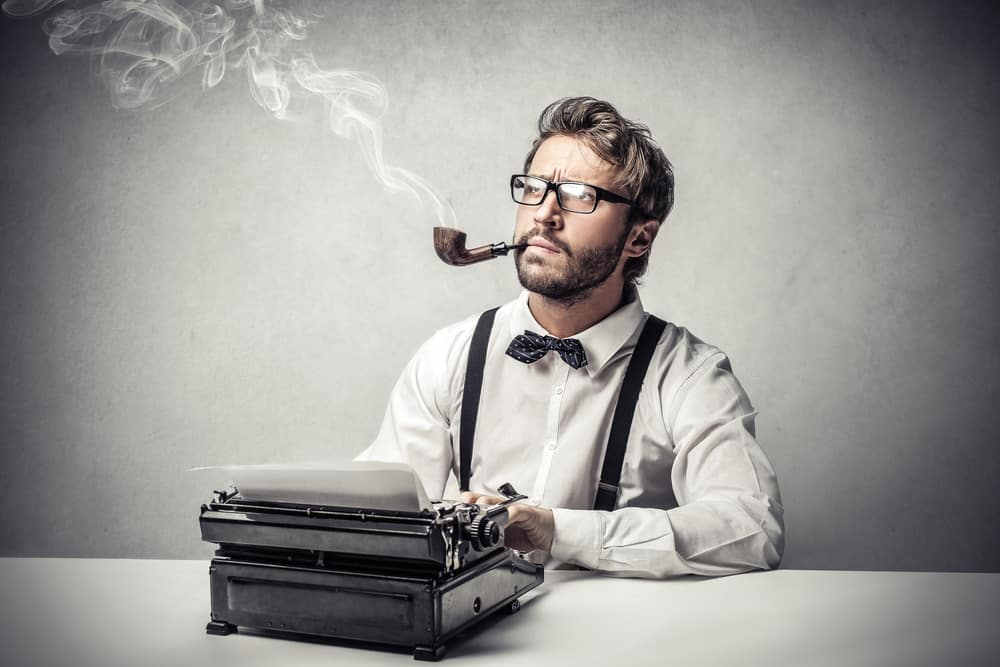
{"x": 531, "y": 526}
{"x": 481, "y": 498}
{"x": 520, "y": 514}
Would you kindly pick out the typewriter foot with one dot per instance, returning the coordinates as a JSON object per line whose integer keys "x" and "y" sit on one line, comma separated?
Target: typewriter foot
{"x": 220, "y": 628}
{"x": 428, "y": 653}
{"x": 512, "y": 608}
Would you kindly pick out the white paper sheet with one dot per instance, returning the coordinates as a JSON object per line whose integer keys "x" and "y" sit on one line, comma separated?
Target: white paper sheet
{"x": 372, "y": 485}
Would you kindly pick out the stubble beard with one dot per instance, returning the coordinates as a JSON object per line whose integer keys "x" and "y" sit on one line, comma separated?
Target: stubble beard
{"x": 585, "y": 270}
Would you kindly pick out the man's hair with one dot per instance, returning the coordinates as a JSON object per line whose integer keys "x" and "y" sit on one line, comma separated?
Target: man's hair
{"x": 644, "y": 171}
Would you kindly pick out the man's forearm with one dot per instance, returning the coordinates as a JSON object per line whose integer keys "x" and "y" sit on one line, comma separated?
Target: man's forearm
{"x": 709, "y": 538}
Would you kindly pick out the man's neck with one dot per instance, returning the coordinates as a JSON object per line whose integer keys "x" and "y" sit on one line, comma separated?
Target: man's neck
{"x": 565, "y": 319}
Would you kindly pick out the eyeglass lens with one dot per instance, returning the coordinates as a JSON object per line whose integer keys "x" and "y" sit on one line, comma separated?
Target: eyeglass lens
{"x": 574, "y": 197}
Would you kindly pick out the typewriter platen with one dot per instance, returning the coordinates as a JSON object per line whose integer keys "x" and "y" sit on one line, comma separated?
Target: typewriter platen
{"x": 411, "y": 577}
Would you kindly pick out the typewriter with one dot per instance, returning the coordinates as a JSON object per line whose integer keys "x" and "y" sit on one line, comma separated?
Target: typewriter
{"x": 358, "y": 554}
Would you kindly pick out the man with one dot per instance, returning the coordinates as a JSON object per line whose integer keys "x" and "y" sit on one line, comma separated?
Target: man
{"x": 691, "y": 491}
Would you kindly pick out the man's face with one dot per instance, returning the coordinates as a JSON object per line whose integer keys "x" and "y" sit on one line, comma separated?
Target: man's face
{"x": 570, "y": 253}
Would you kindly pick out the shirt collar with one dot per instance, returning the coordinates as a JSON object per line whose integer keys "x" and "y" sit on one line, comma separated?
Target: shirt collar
{"x": 602, "y": 340}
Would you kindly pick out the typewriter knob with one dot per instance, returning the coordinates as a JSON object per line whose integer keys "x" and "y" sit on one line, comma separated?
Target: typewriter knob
{"x": 485, "y": 533}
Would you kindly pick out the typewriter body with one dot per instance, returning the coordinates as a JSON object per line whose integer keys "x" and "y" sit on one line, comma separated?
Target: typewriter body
{"x": 411, "y": 577}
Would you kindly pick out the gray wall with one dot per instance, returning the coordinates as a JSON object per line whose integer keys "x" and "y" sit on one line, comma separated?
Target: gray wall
{"x": 200, "y": 283}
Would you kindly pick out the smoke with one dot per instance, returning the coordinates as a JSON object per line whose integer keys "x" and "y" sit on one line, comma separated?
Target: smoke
{"x": 146, "y": 50}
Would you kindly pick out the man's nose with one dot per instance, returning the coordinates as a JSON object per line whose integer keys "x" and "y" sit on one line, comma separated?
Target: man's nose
{"x": 549, "y": 212}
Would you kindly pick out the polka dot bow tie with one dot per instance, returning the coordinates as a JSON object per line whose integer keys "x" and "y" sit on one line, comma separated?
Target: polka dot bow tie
{"x": 529, "y": 347}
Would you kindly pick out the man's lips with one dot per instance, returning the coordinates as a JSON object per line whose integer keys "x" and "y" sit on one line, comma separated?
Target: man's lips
{"x": 543, "y": 245}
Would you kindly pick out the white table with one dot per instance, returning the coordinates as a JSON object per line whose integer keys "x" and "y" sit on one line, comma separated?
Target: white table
{"x": 77, "y": 612}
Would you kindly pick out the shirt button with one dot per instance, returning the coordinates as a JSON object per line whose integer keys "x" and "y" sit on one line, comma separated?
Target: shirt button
{"x": 550, "y": 445}
{"x": 559, "y": 391}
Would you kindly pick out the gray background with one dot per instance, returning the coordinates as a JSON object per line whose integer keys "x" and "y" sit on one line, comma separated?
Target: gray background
{"x": 202, "y": 284}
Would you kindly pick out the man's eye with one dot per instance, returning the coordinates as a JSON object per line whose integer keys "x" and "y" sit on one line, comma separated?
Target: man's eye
{"x": 579, "y": 193}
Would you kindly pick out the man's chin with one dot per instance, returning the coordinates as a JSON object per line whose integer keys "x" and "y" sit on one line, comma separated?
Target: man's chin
{"x": 548, "y": 285}
{"x": 533, "y": 274}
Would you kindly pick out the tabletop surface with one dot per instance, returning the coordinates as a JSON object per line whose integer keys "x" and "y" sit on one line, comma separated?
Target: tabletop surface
{"x": 112, "y": 612}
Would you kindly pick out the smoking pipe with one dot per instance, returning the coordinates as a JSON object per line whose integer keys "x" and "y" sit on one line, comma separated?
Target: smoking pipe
{"x": 450, "y": 246}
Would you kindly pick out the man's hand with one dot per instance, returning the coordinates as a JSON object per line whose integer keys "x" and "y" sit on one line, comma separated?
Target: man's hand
{"x": 528, "y": 527}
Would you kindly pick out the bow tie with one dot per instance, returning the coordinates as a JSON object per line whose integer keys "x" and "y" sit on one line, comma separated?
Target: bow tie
{"x": 529, "y": 347}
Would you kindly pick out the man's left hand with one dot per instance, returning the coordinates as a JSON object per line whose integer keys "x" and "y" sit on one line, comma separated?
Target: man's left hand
{"x": 528, "y": 527}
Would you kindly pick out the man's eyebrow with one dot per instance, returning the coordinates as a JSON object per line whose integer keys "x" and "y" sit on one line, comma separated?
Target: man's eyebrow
{"x": 546, "y": 178}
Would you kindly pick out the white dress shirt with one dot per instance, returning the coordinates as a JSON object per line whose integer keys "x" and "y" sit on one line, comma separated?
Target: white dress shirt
{"x": 698, "y": 495}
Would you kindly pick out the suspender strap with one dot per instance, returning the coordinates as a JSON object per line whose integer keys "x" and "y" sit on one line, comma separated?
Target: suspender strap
{"x": 621, "y": 423}
{"x": 470, "y": 395}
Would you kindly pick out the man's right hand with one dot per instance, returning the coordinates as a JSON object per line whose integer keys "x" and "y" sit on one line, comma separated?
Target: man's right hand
{"x": 528, "y": 527}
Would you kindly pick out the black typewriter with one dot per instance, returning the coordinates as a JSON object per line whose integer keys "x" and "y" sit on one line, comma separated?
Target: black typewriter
{"x": 384, "y": 576}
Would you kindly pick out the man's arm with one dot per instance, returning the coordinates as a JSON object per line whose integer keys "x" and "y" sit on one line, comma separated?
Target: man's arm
{"x": 730, "y": 515}
{"x": 415, "y": 428}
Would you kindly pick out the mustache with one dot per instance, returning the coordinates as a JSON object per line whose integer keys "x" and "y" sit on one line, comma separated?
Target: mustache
{"x": 527, "y": 236}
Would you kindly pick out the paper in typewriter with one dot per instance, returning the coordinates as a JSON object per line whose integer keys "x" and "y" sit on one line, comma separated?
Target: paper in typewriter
{"x": 372, "y": 485}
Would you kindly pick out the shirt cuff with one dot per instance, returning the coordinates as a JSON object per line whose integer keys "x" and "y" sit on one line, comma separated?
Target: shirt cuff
{"x": 577, "y": 537}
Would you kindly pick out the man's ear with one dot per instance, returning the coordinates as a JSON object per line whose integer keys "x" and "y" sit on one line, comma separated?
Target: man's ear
{"x": 641, "y": 237}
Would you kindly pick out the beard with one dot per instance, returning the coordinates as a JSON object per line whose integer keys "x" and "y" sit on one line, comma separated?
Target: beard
{"x": 584, "y": 269}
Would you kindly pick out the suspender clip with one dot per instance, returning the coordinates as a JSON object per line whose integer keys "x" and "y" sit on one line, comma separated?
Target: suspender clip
{"x": 606, "y": 497}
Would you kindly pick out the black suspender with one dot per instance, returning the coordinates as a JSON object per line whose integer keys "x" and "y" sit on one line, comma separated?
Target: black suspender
{"x": 621, "y": 423}
{"x": 470, "y": 396}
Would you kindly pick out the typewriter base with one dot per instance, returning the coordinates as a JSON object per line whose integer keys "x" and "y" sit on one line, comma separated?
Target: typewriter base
{"x": 418, "y": 611}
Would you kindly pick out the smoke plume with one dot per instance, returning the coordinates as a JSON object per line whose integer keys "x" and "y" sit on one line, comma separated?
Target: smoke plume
{"x": 146, "y": 50}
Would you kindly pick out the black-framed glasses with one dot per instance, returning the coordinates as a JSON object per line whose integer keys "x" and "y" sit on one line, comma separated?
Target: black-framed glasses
{"x": 572, "y": 196}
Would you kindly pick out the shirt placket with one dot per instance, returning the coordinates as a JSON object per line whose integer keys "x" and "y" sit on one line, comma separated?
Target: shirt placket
{"x": 551, "y": 440}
